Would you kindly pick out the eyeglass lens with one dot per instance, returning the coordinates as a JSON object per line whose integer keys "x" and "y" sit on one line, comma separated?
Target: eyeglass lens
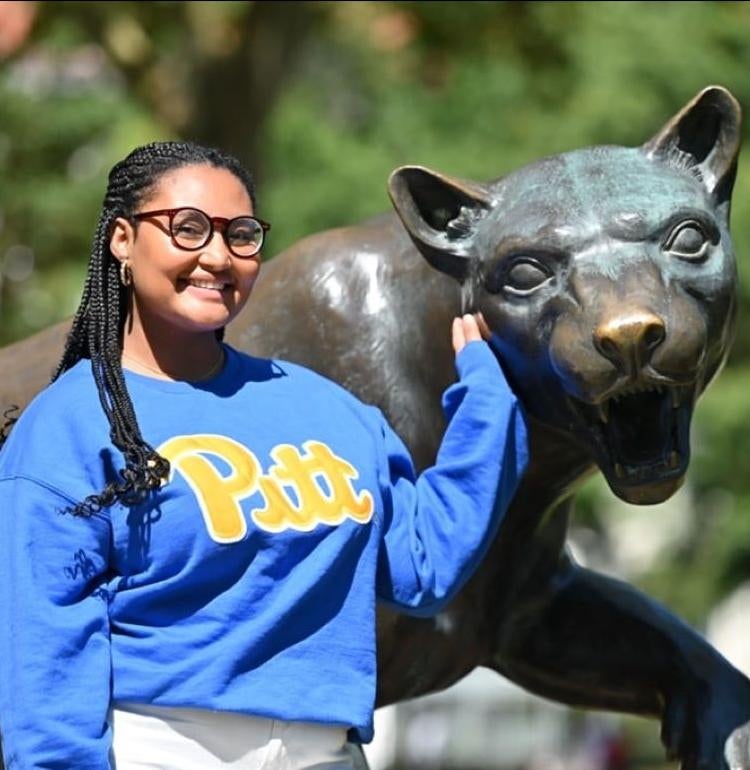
{"x": 191, "y": 229}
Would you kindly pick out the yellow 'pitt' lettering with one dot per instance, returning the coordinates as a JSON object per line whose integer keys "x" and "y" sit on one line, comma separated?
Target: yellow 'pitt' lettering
{"x": 219, "y": 496}
{"x": 300, "y": 472}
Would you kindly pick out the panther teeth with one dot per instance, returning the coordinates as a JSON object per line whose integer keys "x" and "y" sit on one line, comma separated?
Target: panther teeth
{"x": 636, "y": 389}
{"x": 602, "y": 408}
{"x": 623, "y": 471}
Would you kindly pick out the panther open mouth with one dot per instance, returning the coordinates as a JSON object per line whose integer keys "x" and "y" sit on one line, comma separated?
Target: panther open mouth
{"x": 642, "y": 440}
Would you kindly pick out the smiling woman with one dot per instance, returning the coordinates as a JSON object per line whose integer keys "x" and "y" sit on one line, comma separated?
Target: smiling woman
{"x": 199, "y": 576}
{"x": 191, "y": 272}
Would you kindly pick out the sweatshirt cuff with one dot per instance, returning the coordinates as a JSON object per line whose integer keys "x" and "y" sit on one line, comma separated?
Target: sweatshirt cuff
{"x": 477, "y": 359}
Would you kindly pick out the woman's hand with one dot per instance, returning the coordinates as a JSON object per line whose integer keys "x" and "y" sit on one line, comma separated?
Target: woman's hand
{"x": 469, "y": 328}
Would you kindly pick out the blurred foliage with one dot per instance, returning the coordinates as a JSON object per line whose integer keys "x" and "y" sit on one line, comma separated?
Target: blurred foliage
{"x": 323, "y": 100}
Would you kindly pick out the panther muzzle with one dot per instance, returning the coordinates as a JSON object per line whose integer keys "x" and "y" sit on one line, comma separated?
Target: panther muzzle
{"x": 641, "y": 439}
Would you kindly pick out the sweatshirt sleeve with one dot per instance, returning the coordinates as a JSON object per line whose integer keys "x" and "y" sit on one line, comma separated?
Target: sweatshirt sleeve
{"x": 438, "y": 526}
{"x": 54, "y": 631}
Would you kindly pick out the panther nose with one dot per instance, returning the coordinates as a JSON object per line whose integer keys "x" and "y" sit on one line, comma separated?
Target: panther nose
{"x": 630, "y": 339}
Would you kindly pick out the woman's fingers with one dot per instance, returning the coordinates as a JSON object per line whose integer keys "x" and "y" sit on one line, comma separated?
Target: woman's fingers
{"x": 483, "y": 327}
{"x": 466, "y": 329}
{"x": 459, "y": 339}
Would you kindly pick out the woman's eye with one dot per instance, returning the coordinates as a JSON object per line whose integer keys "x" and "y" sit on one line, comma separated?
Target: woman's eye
{"x": 188, "y": 229}
{"x": 688, "y": 241}
{"x": 241, "y": 237}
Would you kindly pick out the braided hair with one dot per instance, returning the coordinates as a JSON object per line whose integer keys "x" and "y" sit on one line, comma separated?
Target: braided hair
{"x": 99, "y": 322}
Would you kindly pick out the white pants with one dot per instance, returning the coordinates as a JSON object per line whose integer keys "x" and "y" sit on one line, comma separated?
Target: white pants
{"x": 158, "y": 738}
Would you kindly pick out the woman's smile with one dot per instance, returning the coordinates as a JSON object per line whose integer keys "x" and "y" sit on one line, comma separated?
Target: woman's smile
{"x": 210, "y": 288}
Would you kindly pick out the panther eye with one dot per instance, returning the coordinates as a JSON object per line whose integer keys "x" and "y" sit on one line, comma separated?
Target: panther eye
{"x": 524, "y": 276}
{"x": 688, "y": 241}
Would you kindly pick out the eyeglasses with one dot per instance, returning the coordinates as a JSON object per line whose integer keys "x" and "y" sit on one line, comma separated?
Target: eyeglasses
{"x": 191, "y": 229}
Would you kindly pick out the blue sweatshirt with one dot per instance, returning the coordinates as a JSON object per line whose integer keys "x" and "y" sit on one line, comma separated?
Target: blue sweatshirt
{"x": 248, "y": 582}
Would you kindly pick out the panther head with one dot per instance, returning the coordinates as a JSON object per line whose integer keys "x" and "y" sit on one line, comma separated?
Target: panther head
{"x": 608, "y": 280}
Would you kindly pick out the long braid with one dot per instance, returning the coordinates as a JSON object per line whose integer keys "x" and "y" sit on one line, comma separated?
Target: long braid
{"x": 77, "y": 346}
{"x": 97, "y": 329}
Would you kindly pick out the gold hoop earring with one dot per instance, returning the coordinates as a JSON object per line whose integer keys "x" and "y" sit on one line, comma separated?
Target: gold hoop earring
{"x": 126, "y": 274}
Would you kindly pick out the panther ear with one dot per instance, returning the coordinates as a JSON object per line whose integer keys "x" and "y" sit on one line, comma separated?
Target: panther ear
{"x": 440, "y": 214}
{"x": 705, "y": 134}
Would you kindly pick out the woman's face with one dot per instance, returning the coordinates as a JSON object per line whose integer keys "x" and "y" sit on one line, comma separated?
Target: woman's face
{"x": 177, "y": 291}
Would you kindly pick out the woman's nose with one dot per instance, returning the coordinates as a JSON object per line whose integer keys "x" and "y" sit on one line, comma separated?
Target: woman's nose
{"x": 216, "y": 252}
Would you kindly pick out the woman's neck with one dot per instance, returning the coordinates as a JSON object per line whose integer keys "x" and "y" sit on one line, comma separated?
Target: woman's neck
{"x": 190, "y": 357}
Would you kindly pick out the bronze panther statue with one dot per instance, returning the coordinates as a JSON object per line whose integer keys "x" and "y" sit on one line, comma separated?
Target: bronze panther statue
{"x": 607, "y": 277}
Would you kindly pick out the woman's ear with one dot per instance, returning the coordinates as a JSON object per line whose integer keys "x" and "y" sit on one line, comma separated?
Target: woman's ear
{"x": 121, "y": 240}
